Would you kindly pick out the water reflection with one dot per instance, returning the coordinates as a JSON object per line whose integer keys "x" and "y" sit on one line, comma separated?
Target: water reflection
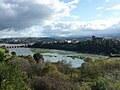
{"x": 53, "y": 57}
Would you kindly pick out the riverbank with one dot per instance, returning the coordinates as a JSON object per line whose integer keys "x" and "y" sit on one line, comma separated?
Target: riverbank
{"x": 41, "y": 50}
{"x": 53, "y": 55}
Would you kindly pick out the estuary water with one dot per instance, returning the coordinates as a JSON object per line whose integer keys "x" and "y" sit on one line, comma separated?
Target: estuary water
{"x": 55, "y": 55}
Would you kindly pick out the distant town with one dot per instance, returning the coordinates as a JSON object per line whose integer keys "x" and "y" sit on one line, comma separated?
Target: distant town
{"x": 45, "y": 40}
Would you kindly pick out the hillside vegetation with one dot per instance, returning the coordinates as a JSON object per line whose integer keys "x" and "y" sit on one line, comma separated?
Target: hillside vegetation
{"x": 33, "y": 73}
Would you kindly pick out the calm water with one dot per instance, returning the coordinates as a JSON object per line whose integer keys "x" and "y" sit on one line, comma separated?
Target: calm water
{"x": 56, "y": 55}
{"x": 21, "y": 51}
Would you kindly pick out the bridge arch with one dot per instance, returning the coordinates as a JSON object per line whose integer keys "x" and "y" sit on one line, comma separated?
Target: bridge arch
{"x": 14, "y": 45}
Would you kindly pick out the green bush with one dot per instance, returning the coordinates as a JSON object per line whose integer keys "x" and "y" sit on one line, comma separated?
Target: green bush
{"x": 2, "y": 57}
{"x": 12, "y": 78}
{"x": 30, "y": 59}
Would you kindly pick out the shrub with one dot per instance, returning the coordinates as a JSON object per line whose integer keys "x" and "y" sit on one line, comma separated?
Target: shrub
{"x": 30, "y": 59}
{"x": 50, "y": 68}
{"x": 23, "y": 64}
{"x": 52, "y": 83}
{"x": 2, "y": 57}
{"x": 38, "y": 58}
{"x": 13, "y": 53}
{"x": 12, "y": 78}
{"x": 36, "y": 69}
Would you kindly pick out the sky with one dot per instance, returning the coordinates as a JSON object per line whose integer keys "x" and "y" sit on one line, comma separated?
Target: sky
{"x": 59, "y": 18}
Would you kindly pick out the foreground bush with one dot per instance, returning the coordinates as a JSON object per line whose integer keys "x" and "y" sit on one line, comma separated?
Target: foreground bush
{"x": 53, "y": 83}
{"x": 11, "y": 78}
{"x": 99, "y": 74}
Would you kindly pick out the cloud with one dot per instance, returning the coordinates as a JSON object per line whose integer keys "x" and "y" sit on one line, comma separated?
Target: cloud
{"x": 66, "y": 29}
{"x": 77, "y": 28}
{"x": 107, "y": 0}
{"x": 99, "y": 15}
{"x": 99, "y": 8}
{"x": 40, "y": 18}
{"x": 21, "y": 14}
{"x": 115, "y": 7}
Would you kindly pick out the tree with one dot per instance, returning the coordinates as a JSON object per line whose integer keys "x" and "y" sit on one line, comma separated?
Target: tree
{"x": 88, "y": 59}
{"x": 50, "y": 68}
{"x": 11, "y": 78}
{"x": 102, "y": 84}
{"x": 38, "y": 58}
{"x": 1, "y": 56}
{"x": 30, "y": 59}
{"x": 13, "y": 53}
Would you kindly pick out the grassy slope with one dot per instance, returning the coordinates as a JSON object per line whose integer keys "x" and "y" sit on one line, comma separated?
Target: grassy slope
{"x": 2, "y": 50}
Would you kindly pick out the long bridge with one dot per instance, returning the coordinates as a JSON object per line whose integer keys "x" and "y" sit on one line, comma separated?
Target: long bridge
{"x": 14, "y": 45}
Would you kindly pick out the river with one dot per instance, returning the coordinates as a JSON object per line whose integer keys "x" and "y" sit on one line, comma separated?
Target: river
{"x": 55, "y": 55}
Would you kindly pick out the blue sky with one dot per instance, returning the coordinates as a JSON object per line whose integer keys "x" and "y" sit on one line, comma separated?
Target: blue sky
{"x": 63, "y": 18}
{"x": 94, "y": 9}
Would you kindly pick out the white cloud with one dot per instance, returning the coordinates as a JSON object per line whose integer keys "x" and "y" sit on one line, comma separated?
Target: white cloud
{"x": 25, "y": 15}
{"x": 99, "y": 15}
{"x": 28, "y": 32}
{"x": 74, "y": 2}
{"x": 99, "y": 8}
{"x": 107, "y": 0}
{"x": 75, "y": 28}
{"x": 21, "y": 14}
{"x": 115, "y": 7}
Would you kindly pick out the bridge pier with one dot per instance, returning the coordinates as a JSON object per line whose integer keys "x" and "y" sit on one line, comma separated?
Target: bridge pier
{"x": 14, "y": 45}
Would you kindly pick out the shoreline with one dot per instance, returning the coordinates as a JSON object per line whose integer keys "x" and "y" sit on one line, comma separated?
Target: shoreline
{"x": 94, "y": 56}
{"x": 72, "y": 51}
